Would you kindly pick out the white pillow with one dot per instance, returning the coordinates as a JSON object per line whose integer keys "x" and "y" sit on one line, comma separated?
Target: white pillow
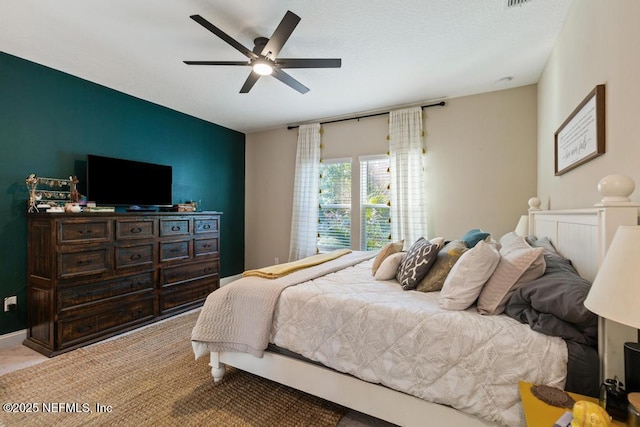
{"x": 389, "y": 266}
{"x": 385, "y": 251}
{"x": 467, "y": 277}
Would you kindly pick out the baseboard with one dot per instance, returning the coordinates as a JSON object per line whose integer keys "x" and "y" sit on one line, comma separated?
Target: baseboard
{"x": 226, "y": 280}
{"x": 13, "y": 338}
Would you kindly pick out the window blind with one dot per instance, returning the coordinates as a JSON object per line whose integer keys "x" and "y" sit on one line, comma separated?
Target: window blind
{"x": 334, "y": 213}
{"x": 375, "y": 221}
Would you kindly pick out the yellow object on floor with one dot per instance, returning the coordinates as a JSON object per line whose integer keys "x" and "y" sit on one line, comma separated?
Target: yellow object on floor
{"x": 279, "y": 270}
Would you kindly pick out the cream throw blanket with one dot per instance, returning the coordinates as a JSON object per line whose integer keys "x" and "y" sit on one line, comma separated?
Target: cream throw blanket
{"x": 238, "y": 316}
{"x": 279, "y": 270}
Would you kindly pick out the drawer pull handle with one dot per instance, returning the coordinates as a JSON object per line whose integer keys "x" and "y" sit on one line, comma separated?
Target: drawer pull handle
{"x": 84, "y": 262}
{"x": 208, "y": 270}
{"x": 206, "y": 226}
{"x": 175, "y": 250}
{"x": 136, "y": 230}
{"x": 135, "y": 257}
{"x": 206, "y": 245}
{"x": 175, "y": 228}
{"x": 85, "y": 231}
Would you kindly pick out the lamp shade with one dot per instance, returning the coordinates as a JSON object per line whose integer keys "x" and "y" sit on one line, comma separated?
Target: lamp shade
{"x": 522, "y": 229}
{"x": 615, "y": 292}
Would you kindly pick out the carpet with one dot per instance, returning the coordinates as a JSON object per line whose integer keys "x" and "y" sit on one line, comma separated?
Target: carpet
{"x": 150, "y": 378}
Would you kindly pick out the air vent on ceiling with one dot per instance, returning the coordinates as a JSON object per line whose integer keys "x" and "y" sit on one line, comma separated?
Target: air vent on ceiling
{"x": 514, "y": 3}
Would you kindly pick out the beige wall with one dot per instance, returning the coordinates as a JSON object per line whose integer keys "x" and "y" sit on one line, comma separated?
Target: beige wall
{"x": 481, "y": 168}
{"x": 598, "y": 44}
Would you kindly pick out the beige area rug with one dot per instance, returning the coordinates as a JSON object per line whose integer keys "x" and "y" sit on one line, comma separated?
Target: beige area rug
{"x": 150, "y": 378}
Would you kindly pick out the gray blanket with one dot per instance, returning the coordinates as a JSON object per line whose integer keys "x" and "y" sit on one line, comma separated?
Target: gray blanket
{"x": 553, "y": 304}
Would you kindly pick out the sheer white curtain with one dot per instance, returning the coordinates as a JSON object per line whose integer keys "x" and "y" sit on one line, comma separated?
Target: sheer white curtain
{"x": 408, "y": 186}
{"x": 304, "y": 221}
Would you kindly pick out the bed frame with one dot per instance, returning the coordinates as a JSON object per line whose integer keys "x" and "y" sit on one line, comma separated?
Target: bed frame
{"x": 581, "y": 235}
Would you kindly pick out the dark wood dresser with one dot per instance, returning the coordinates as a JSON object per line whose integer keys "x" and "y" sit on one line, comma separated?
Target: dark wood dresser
{"x": 93, "y": 275}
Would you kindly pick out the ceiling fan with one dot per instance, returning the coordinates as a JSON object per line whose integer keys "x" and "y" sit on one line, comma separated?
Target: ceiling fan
{"x": 263, "y": 59}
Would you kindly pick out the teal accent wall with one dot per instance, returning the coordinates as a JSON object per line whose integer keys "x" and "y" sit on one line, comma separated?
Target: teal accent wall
{"x": 50, "y": 121}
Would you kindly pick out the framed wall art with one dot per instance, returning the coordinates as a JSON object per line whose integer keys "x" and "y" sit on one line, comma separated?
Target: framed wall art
{"x": 582, "y": 136}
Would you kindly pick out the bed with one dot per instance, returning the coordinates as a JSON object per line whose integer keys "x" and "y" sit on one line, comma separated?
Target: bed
{"x": 394, "y": 362}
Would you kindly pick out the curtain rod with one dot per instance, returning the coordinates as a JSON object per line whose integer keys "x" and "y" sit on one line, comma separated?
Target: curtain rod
{"x": 439, "y": 104}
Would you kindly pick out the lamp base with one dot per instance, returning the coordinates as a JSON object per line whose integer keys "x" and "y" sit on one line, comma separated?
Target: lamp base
{"x": 632, "y": 366}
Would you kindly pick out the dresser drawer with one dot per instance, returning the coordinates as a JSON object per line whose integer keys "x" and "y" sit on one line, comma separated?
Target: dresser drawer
{"x": 174, "y": 227}
{"x": 204, "y": 247}
{"x": 191, "y": 293}
{"x": 170, "y": 251}
{"x": 183, "y": 273}
{"x": 71, "y": 296}
{"x": 87, "y": 262}
{"x": 134, "y": 256}
{"x": 137, "y": 229}
{"x": 207, "y": 225}
{"x": 119, "y": 315}
{"x": 82, "y": 231}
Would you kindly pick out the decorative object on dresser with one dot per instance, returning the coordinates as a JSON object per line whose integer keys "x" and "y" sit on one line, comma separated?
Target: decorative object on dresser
{"x": 94, "y": 275}
{"x": 45, "y": 193}
{"x": 615, "y": 294}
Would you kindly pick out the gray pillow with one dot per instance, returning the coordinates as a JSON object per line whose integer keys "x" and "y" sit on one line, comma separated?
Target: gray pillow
{"x": 416, "y": 265}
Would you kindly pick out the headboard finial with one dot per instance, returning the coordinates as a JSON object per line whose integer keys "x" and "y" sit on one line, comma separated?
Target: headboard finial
{"x": 534, "y": 204}
{"x": 615, "y": 190}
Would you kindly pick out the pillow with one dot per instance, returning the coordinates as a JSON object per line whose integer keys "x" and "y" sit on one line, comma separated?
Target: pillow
{"x": 519, "y": 264}
{"x": 438, "y": 241}
{"x": 465, "y": 280}
{"x": 416, "y": 264}
{"x": 389, "y": 266}
{"x": 385, "y": 251}
{"x": 445, "y": 260}
{"x": 545, "y": 244}
{"x": 473, "y": 236}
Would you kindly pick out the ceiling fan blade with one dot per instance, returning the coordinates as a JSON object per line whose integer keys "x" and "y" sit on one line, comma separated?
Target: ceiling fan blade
{"x": 224, "y": 36}
{"x": 281, "y": 34}
{"x": 216, "y": 62}
{"x": 251, "y": 80}
{"x": 309, "y": 62}
{"x": 289, "y": 81}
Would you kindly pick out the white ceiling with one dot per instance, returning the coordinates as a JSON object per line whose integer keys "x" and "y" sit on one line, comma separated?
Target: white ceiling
{"x": 394, "y": 52}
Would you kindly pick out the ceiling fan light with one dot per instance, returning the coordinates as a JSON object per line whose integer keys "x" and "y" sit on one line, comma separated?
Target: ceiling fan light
{"x": 262, "y": 67}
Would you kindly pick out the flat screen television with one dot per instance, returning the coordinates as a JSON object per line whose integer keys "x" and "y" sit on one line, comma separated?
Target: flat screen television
{"x": 120, "y": 182}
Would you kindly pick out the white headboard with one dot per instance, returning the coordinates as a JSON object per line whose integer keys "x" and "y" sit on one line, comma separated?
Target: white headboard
{"x": 583, "y": 236}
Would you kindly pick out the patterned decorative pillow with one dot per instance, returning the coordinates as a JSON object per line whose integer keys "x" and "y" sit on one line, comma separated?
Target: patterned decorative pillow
{"x": 416, "y": 264}
{"x": 444, "y": 262}
{"x": 473, "y": 236}
{"x": 385, "y": 251}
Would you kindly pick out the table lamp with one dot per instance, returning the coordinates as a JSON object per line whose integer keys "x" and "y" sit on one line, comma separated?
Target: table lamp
{"x": 615, "y": 294}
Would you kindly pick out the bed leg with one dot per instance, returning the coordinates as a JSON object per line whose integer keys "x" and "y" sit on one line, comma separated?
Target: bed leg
{"x": 217, "y": 368}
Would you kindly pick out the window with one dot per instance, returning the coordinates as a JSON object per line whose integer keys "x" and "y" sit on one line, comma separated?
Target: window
{"x": 375, "y": 212}
{"x": 334, "y": 215}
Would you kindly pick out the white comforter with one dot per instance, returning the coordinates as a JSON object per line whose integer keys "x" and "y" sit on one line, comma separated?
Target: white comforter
{"x": 402, "y": 339}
